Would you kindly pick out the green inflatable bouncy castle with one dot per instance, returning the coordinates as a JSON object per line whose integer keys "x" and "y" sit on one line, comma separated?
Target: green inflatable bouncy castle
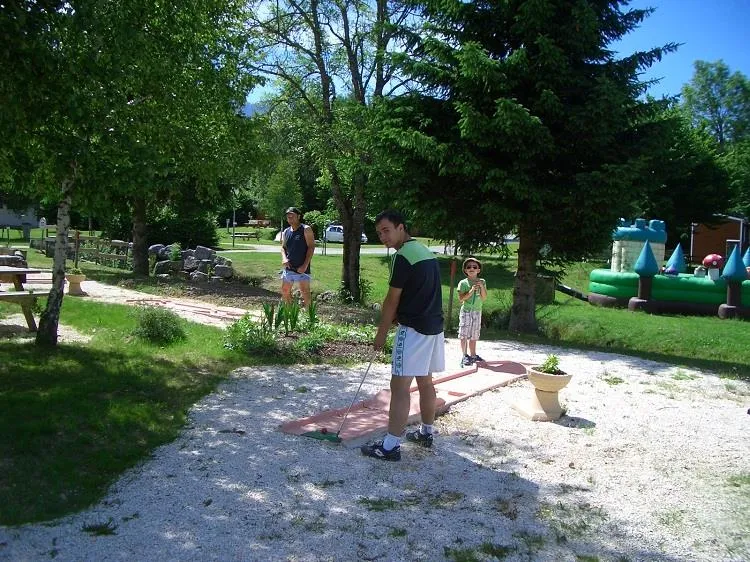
{"x": 649, "y": 287}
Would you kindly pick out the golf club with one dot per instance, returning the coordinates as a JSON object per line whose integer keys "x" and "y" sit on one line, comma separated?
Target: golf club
{"x": 323, "y": 433}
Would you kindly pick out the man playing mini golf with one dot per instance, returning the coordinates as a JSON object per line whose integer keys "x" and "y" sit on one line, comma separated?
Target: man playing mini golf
{"x": 414, "y": 302}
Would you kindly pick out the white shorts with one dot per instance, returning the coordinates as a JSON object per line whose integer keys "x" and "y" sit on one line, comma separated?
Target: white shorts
{"x": 469, "y": 324}
{"x": 415, "y": 354}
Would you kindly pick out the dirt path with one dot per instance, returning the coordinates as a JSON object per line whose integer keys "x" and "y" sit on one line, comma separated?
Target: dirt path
{"x": 190, "y": 309}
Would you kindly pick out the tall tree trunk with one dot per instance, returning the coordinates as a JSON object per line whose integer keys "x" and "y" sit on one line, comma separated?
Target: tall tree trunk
{"x": 523, "y": 310}
{"x": 350, "y": 264}
{"x": 352, "y": 213}
{"x": 50, "y": 318}
{"x": 140, "y": 250}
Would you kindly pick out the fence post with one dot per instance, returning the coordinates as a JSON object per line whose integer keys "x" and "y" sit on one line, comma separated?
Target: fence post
{"x": 77, "y": 245}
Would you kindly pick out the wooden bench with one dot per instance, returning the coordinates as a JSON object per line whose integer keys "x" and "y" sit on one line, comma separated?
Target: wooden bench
{"x": 26, "y": 300}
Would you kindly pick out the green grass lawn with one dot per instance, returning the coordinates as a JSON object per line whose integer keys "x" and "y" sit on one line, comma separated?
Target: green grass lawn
{"x": 702, "y": 341}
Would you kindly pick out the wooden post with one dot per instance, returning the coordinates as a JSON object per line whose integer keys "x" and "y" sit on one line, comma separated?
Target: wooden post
{"x": 450, "y": 301}
{"x": 77, "y": 246}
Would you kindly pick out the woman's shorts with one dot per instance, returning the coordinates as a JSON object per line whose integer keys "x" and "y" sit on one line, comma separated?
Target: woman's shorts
{"x": 415, "y": 354}
{"x": 289, "y": 276}
{"x": 469, "y": 324}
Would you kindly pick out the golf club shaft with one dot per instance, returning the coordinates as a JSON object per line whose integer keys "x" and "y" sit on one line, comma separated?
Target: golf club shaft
{"x": 372, "y": 357}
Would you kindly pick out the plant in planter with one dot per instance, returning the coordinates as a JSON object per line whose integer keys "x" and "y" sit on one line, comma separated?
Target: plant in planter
{"x": 550, "y": 366}
{"x": 548, "y": 379}
{"x": 75, "y": 277}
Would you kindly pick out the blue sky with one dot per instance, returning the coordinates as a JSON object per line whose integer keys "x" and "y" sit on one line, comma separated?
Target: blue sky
{"x": 710, "y": 30}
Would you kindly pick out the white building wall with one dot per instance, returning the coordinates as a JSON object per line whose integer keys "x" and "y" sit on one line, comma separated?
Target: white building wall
{"x": 9, "y": 217}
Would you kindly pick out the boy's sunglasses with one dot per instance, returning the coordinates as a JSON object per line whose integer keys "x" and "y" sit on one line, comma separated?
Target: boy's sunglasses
{"x": 472, "y": 267}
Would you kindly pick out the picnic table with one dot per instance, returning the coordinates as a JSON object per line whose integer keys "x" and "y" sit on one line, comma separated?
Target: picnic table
{"x": 25, "y": 299}
{"x": 245, "y": 235}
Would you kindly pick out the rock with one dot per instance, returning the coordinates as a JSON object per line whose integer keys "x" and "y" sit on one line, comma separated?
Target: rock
{"x": 12, "y": 261}
{"x": 326, "y": 296}
{"x": 223, "y": 271}
{"x": 154, "y": 249}
{"x": 162, "y": 267}
{"x": 191, "y": 263}
{"x": 203, "y": 253}
{"x": 204, "y": 266}
{"x": 199, "y": 276}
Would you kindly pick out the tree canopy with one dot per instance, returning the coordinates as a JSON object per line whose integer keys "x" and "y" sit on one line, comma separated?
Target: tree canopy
{"x": 532, "y": 121}
{"x": 718, "y": 101}
{"x": 118, "y": 102}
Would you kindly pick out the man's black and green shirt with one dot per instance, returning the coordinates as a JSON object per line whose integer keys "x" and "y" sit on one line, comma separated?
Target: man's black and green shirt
{"x": 415, "y": 270}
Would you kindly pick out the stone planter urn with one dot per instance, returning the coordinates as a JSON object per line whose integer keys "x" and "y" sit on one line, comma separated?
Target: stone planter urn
{"x": 544, "y": 403}
{"x": 74, "y": 283}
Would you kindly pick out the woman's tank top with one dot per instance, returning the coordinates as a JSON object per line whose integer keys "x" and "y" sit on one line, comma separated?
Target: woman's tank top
{"x": 296, "y": 247}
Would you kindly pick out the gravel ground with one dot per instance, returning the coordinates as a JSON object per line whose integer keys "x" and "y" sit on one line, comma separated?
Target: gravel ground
{"x": 650, "y": 463}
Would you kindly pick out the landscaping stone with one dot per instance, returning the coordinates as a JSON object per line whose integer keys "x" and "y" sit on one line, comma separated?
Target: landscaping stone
{"x": 200, "y": 260}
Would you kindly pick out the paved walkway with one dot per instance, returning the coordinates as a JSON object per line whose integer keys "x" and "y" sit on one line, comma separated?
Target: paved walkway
{"x": 329, "y": 249}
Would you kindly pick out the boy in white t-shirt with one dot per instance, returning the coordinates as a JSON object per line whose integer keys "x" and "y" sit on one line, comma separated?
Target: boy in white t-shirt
{"x": 472, "y": 291}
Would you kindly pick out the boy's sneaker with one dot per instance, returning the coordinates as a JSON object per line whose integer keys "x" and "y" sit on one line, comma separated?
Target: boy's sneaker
{"x": 416, "y": 436}
{"x": 376, "y": 450}
{"x": 477, "y": 358}
{"x": 466, "y": 361}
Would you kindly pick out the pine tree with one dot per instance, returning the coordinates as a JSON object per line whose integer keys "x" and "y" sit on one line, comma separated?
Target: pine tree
{"x": 531, "y": 121}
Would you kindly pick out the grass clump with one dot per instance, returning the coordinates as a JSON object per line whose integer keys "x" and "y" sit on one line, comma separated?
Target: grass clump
{"x": 612, "y": 380}
{"x": 100, "y": 529}
{"x": 311, "y": 343}
{"x": 740, "y": 480}
{"x": 159, "y": 325}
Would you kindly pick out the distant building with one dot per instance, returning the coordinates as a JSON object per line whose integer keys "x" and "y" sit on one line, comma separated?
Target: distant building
{"x": 719, "y": 238}
{"x": 9, "y": 217}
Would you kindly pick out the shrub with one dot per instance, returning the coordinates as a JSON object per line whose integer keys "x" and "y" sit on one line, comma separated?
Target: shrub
{"x": 312, "y": 314}
{"x": 311, "y": 343}
{"x": 354, "y": 333}
{"x": 251, "y": 337}
{"x": 268, "y": 233}
{"x": 175, "y": 251}
{"x": 317, "y": 221}
{"x": 388, "y": 346}
{"x": 189, "y": 224}
{"x": 365, "y": 290}
{"x": 190, "y": 227}
{"x": 499, "y": 318}
{"x": 159, "y": 325}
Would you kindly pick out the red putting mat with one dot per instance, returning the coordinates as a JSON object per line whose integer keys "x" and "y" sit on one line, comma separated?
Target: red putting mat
{"x": 371, "y": 415}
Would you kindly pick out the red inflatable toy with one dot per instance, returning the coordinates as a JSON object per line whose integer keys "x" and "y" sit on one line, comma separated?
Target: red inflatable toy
{"x": 713, "y": 260}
